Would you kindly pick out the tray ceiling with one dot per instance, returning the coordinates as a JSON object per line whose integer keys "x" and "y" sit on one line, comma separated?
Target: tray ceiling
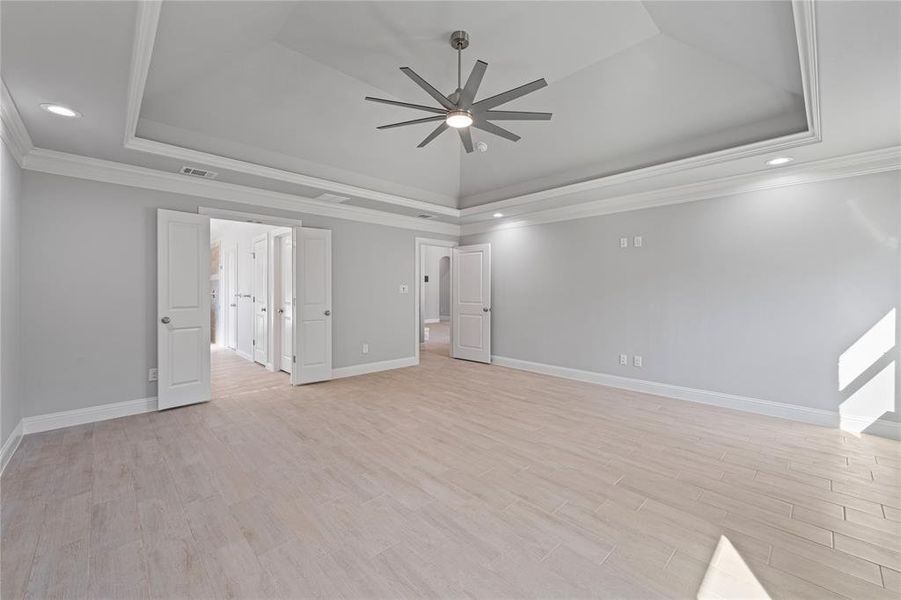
{"x": 631, "y": 85}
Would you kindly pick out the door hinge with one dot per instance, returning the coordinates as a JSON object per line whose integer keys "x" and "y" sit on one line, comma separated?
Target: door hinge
{"x": 254, "y": 342}
{"x": 294, "y": 358}
{"x": 253, "y": 255}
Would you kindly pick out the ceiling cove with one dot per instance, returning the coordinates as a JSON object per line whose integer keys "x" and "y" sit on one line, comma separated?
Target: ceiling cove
{"x": 146, "y": 33}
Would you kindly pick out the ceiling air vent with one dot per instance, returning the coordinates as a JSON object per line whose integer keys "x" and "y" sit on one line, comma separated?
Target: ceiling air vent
{"x": 332, "y": 198}
{"x": 194, "y": 172}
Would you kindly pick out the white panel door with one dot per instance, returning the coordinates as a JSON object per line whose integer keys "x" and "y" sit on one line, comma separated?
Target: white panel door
{"x": 471, "y": 302}
{"x": 260, "y": 298}
{"x": 286, "y": 301}
{"x": 183, "y": 308}
{"x": 231, "y": 297}
{"x": 313, "y": 305}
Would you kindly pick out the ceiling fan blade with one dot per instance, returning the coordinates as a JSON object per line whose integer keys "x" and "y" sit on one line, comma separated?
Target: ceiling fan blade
{"x": 442, "y": 100}
{"x": 473, "y": 83}
{"x": 466, "y": 138}
{"x": 504, "y": 97}
{"x": 438, "y": 131}
{"x": 515, "y": 115}
{"x": 413, "y": 122}
{"x": 492, "y": 128}
{"x": 433, "y": 109}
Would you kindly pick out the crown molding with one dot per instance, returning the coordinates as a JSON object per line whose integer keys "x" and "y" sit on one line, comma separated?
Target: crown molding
{"x": 805, "y": 33}
{"x": 12, "y": 128}
{"x": 851, "y": 165}
{"x": 82, "y": 167}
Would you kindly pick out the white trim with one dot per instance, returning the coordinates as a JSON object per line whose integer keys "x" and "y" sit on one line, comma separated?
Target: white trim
{"x": 83, "y": 167}
{"x": 815, "y": 416}
{"x": 881, "y": 427}
{"x": 146, "y": 23}
{"x": 418, "y": 243}
{"x": 431, "y": 321}
{"x": 243, "y": 354}
{"x": 374, "y": 367}
{"x": 10, "y": 446}
{"x": 851, "y": 165}
{"x": 91, "y": 414}
{"x": 805, "y": 32}
{"x": 12, "y": 128}
{"x": 247, "y": 217}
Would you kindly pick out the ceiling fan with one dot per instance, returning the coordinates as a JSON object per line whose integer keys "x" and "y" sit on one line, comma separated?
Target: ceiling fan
{"x": 460, "y": 110}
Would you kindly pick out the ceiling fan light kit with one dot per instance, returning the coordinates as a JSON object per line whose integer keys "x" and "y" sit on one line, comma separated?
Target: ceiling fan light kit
{"x": 460, "y": 110}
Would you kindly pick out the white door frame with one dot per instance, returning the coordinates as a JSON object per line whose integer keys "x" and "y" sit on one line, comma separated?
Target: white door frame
{"x": 418, "y": 243}
{"x": 230, "y": 329}
{"x": 278, "y": 294}
{"x": 261, "y": 296}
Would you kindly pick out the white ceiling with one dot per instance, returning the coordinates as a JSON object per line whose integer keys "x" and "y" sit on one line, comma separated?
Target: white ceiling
{"x": 281, "y": 84}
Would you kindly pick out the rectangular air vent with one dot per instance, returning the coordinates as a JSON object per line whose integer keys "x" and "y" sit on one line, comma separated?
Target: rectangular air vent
{"x": 332, "y": 197}
{"x": 195, "y": 172}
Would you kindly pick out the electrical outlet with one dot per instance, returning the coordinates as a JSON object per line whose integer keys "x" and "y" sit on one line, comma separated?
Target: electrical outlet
{"x": 365, "y": 348}
{"x": 637, "y": 241}
{"x": 404, "y": 288}
{"x": 636, "y": 361}
{"x": 623, "y": 360}
{"x": 153, "y": 374}
{"x": 623, "y": 242}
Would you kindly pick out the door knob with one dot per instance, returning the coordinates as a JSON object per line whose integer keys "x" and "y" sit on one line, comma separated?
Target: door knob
{"x": 327, "y": 313}
{"x": 263, "y": 309}
{"x": 233, "y": 304}
{"x": 281, "y": 310}
{"x": 485, "y": 309}
{"x": 165, "y": 320}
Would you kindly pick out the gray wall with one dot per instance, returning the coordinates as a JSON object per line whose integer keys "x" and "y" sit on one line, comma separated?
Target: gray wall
{"x": 89, "y": 289}
{"x": 10, "y": 379}
{"x": 755, "y": 294}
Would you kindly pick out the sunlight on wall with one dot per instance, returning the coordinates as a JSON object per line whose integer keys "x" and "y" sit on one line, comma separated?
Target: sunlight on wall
{"x": 728, "y": 576}
{"x": 867, "y": 350}
{"x": 875, "y": 395}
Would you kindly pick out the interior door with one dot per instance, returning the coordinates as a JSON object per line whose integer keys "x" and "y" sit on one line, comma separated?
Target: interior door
{"x": 313, "y": 305}
{"x": 260, "y": 298}
{"x": 183, "y": 308}
{"x": 231, "y": 297}
{"x": 471, "y": 302}
{"x": 286, "y": 301}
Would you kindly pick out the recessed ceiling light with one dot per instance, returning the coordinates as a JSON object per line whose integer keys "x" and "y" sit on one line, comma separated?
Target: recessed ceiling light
{"x": 60, "y": 110}
{"x": 498, "y": 215}
{"x": 459, "y": 119}
{"x": 782, "y": 160}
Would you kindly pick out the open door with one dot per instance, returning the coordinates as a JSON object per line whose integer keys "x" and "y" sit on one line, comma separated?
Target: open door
{"x": 261, "y": 299}
{"x": 312, "y": 305}
{"x": 285, "y": 321}
{"x": 471, "y": 302}
{"x": 183, "y": 308}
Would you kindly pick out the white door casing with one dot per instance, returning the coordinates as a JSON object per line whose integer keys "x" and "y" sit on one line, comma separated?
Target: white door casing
{"x": 231, "y": 297}
{"x": 471, "y": 302}
{"x": 285, "y": 301}
{"x": 183, "y": 308}
{"x": 313, "y": 305}
{"x": 260, "y": 298}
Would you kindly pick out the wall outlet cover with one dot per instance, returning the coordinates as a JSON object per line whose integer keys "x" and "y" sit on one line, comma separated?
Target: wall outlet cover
{"x": 637, "y": 241}
{"x": 404, "y": 288}
{"x": 623, "y": 242}
{"x": 623, "y": 360}
{"x": 636, "y": 361}
{"x": 153, "y": 374}
{"x": 365, "y": 348}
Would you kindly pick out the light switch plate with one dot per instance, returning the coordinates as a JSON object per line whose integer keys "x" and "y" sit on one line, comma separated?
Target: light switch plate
{"x": 153, "y": 374}
{"x": 365, "y": 348}
{"x": 636, "y": 361}
{"x": 623, "y": 360}
{"x": 404, "y": 288}
{"x": 637, "y": 241}
{"x": 623, "y": 242}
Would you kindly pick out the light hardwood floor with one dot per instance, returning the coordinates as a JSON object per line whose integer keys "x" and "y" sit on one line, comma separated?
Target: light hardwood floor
{"x": 451, "y": 479}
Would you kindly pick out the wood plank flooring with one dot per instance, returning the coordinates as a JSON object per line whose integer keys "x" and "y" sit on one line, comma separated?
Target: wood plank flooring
{"x": 451, "y": 479}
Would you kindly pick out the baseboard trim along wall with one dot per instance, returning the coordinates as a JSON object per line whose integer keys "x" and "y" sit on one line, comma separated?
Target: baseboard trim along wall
{"x": 815, "y": 416}
{"x": 9, "y": 446}
{"x": 91, "y": 414}
{"x": 374, "y": 367}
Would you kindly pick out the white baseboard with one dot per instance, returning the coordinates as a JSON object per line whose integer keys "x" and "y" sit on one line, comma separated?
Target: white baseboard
{"x": 244, "y": 355}
{"x": 91, "y": 414}
{"x": 816, "y": 416}
{"x": 374, "y": 367}
{"x": 9, "y": 446}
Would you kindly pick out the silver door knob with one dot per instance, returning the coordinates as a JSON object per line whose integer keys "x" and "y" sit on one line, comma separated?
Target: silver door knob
{"x": 485, "y": 309}
{"x": 327, "y": 313}
{"x": 281, "y": 311}
{"x": 233, "y": 304}
{"x": 165, "y": 320}
{"x": 263, "y": 309}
